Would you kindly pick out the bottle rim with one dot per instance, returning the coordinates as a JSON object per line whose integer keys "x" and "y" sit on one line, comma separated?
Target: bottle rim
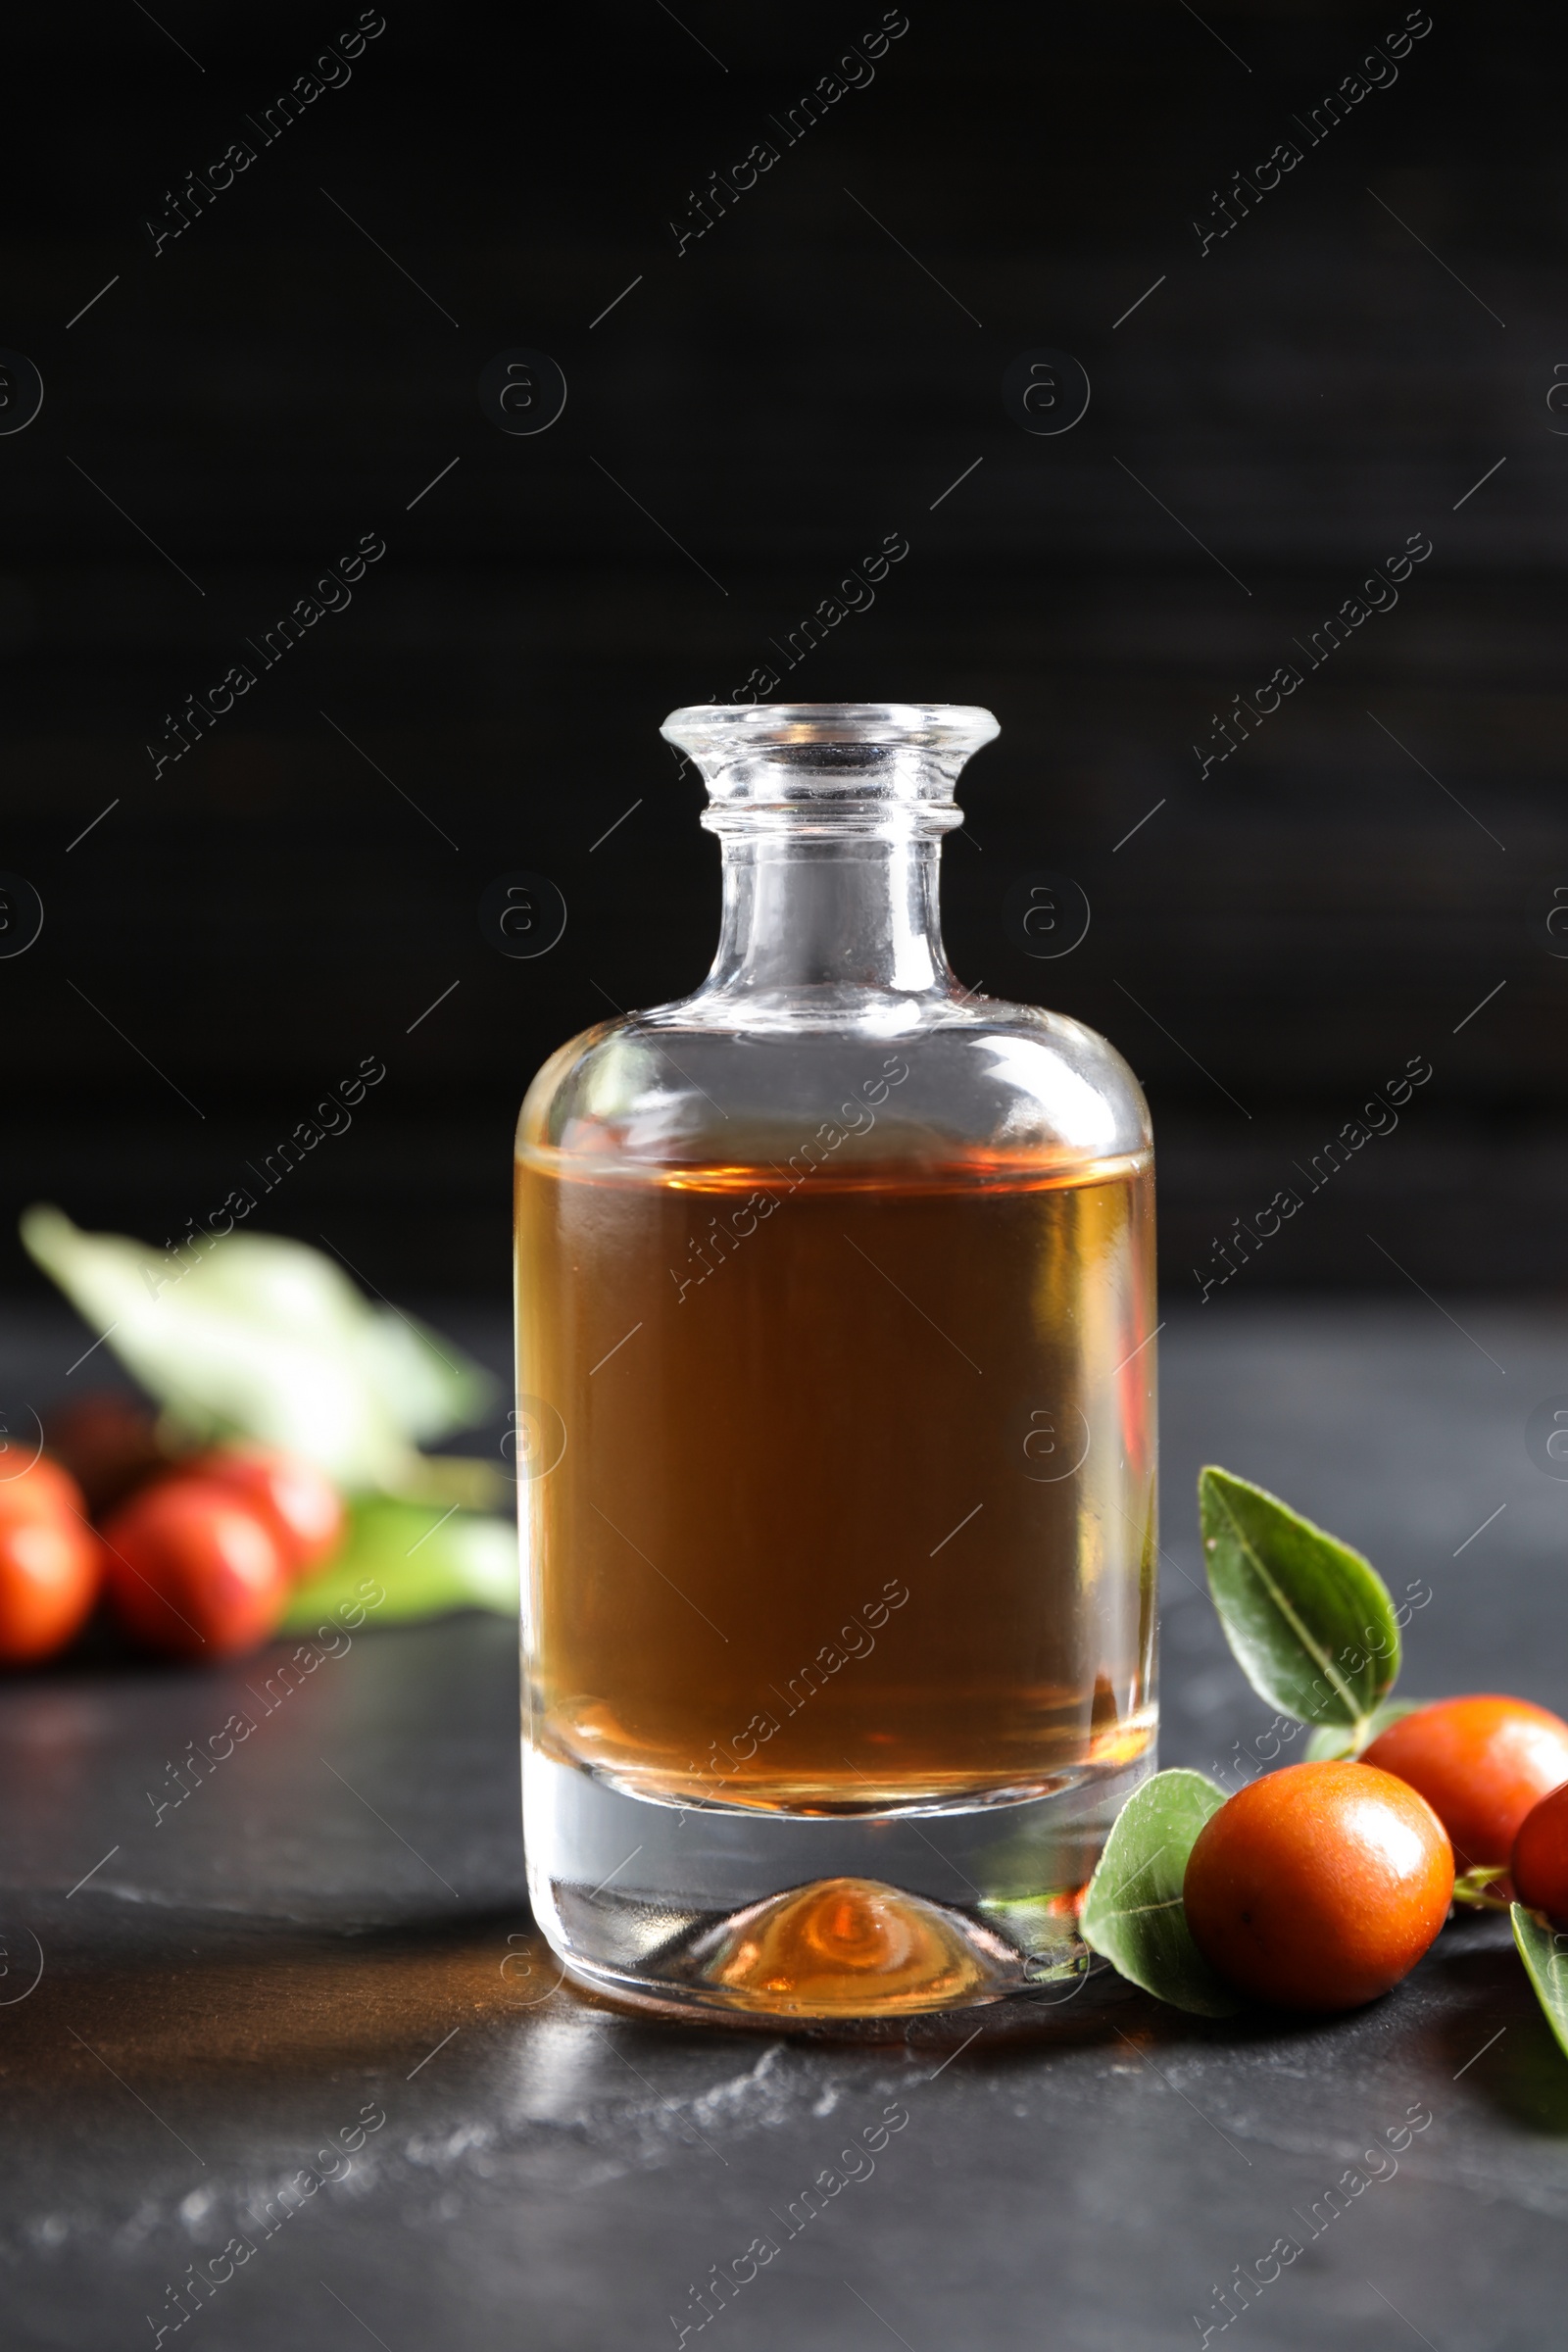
{"x": 718, "y": 733}
{"x": 830, "y": 767}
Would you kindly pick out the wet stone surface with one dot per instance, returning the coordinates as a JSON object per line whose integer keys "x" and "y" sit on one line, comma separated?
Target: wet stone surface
{"x": 295, "y": 2037}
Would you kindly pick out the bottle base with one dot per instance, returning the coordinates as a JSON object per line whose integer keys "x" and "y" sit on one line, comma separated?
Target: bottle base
{"x": 863, "y": 1920}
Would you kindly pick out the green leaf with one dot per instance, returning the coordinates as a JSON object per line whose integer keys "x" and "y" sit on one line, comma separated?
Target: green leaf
{"x": 268, "y": 1339}
{"x": 422, "y": 1563}
{"x": 1133, "y": 1912}
{"x": 1309, "y": 1621}
{"x": 1546, "y": 1965}
{"x": 1332, "y": 1741}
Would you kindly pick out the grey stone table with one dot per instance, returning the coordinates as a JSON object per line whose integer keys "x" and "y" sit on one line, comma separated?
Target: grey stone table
{"x": 318, "y": 1970}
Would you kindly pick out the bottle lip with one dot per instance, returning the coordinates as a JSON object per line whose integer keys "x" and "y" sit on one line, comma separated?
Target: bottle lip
{"x": 780, "y": 765}
{"x": 729, "y": 730}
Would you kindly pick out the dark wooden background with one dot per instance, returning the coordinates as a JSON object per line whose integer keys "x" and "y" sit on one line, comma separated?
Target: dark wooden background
{"x": 1330, "y": 378}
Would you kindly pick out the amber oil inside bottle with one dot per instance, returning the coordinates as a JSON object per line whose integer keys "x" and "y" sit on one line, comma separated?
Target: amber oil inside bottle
{"x": 826, "y": 1540}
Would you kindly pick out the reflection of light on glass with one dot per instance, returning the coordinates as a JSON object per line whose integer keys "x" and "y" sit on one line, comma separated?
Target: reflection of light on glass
{"x": 1073, "y": 1106}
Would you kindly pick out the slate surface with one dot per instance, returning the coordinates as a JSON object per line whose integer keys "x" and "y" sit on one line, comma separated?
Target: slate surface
{"x": 332, "y": 1929}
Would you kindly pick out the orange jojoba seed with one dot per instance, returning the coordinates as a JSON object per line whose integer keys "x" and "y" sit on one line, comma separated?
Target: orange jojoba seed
{"x": 1538, "y": 1866}
{"x": 1481, "y": 1763}
{"x": 1319, "y": 1887}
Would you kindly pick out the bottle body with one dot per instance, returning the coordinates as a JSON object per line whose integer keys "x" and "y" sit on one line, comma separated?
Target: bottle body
{"x": 836, "y": 1304}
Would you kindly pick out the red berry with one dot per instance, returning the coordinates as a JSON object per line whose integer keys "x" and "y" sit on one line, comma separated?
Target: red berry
{"x": 193, "y": 1570}
{"x": 1538, "y": 1867}
{"x": 109, "y": 1441}
{"x": 297, "y": 1500}
{"x": 1481, "y": 1763}
{"x": 51, "y": 1567}
{"x": 38, "y": 1489}
{"x": 1319, "y": 1887}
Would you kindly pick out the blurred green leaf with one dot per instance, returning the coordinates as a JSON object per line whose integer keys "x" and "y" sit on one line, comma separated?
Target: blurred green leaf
{"x": 1546, "y": 1965}
{"x": 423, "y": 1560}
{"x": 1308, "y": 1620}
{"x": 427, "y": 1384}
{"x": 1133, "y": 1912}
{"x": 465, "y": 1478}
{"x": 268, "y": 1339}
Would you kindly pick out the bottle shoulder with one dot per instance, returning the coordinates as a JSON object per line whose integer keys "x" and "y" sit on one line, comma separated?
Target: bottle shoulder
{"x": 932, "y": 1080}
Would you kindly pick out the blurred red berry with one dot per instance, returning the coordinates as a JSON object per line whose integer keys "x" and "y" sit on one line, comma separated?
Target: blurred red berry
{"x": 297, "y": 1500}
{"x": 194, "y": 1570}
{"x": 38, "y": 1489}
{"x": 108, "y": 1443}
{"x": 51, "y": 1569}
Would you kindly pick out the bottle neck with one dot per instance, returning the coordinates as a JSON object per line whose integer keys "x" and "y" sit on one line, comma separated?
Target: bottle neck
{"x": 838, "y": 918}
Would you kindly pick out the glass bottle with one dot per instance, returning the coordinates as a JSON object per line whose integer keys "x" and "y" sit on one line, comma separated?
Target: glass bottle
{"x": 836, "y": 1373}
